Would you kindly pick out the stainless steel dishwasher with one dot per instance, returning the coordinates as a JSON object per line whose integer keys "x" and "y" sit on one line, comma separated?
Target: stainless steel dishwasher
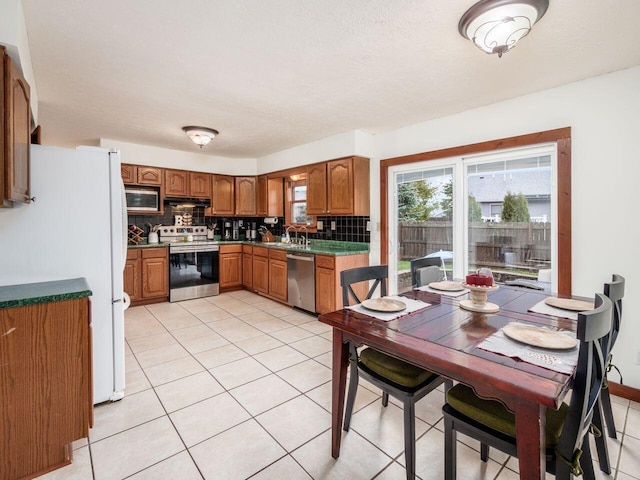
{"x": 301, "y": 280}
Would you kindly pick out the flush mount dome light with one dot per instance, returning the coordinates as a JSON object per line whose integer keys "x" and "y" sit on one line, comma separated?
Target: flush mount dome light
{"x": 201, "y": 136}
{"x": 495, "y": 26}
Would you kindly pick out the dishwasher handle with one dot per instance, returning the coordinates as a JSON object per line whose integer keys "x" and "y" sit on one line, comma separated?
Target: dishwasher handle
{"x": 304, "y": 258}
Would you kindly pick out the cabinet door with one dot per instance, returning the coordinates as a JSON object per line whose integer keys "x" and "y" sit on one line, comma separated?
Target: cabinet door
{"x": 175, "y": 183}
{"x": 317, "y": 189}
{"x": 245, "y": 195}
{"x": 261, "y": 274}
{"x": 275, "y": 197}
{"x": 128, "y": 173}
{"x": 132, "y": 280}
{"x": 200, "y": 185}
{"x": 18, "y": 134}
{"x": 230, "y": 270}
{"x": 155, "y": 277}
{"x": 325, "y": 290}
{"x": 278, "y": 279}
{"x": 340, "y": 187}
{"x": 247, "y": 271}
{"x": 261, "y": 196}
{"x": 223, "y": 195}
{"x": 149, "y": 176}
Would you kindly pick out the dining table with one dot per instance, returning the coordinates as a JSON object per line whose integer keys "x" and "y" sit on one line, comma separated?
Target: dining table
{"x": 444, "y": 338}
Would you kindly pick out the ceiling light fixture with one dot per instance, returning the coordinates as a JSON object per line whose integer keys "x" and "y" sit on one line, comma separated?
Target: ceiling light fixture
{"x": 495, "y": 26}
{"x": 200, "y": 135}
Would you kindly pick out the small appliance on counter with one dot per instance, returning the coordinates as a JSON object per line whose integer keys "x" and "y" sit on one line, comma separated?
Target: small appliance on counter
{"x": 236, "y": 232}
{"x": 227, "y": 230}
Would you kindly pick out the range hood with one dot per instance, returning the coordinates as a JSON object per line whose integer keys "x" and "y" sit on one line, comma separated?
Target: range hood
{"x": 186, "y": 202}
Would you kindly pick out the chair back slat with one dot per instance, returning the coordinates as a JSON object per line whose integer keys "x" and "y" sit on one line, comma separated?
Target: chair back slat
{"x": 615, "y": 291}
{"x": 593, "y": 326}
{"x": 378, "y": 273}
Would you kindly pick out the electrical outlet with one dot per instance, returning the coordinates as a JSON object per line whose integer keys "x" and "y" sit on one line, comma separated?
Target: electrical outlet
{"x": 638, "y": 356}
{"x": 368, "y": 226}
{"x": 333, "y": 225}
{"x": 319, "y": 225}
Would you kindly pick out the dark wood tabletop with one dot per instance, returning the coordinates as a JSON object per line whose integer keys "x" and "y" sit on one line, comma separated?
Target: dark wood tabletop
{"x": 444, "y": 338}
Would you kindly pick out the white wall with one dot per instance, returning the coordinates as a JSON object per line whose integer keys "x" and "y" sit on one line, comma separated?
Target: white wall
{"x": 603, "y": 115}
{"x": 164, "y": 157}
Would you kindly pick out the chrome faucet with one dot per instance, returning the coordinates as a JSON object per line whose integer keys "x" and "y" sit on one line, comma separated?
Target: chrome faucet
{"x": 291, "y": 227}
{"x": 304, "y": 238}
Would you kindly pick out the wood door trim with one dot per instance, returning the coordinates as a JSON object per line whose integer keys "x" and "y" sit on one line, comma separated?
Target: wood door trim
{"x": 562, "y": 137}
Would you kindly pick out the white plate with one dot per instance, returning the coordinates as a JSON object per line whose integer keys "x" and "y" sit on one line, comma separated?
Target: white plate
{"x": 569, "y": 304}
{"x": 384, "y": 305}
{"x": 539, "y": 337}
{"x": 447, "y": 286}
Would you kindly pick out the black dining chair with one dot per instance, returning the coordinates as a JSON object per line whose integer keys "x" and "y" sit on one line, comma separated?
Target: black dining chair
{"x": 404, "y": 381}
{"x": 567, "y": 442}
{"x": 418, "y": 263}
{"x": 614, "y": 290}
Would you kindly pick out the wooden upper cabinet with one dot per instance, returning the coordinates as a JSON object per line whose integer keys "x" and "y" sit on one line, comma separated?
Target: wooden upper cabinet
{"x": 317, "y": 189}
{"x": 17, "y": 134}
{"x": 199, "y": 185}
{"x": 149, "y": 175}
{"x": 129, "y": 174}
{"x": 222, "y": 195}
{"x": 269, "y": 196}
{"x": 261, "y": 195}
{"x": 245, "y": 195}
{"x": 176, "y": 183}
{"x": 338, "y": 187}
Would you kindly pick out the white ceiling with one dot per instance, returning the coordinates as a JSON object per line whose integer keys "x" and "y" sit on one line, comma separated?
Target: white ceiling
{"x": 270, "y": 75}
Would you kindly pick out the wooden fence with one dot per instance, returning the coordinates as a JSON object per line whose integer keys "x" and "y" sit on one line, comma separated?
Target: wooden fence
{"x": 526, "y": 245}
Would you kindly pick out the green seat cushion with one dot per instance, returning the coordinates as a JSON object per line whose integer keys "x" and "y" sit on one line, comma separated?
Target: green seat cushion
{"x": 397, "y": 371}
{"x": 494, "y": 415}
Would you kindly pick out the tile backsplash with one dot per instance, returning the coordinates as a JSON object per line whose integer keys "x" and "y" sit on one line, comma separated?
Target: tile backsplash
{"x": 347, "y": 229}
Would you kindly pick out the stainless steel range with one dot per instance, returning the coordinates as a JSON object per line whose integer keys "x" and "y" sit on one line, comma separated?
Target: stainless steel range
{"x": 193, "y": 262}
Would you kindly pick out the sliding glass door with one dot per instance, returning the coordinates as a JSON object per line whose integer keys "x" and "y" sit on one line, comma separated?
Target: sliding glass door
{"x": 495, "y": 210}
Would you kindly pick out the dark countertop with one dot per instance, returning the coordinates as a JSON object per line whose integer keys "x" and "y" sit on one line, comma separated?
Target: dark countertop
{"x": 319, "y": 247}
{"x": 43, "y": 292}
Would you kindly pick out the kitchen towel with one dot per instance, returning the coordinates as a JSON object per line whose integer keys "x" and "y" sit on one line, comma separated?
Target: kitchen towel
{"x": 412, "y": 306}
{"x": 563, "y": 361}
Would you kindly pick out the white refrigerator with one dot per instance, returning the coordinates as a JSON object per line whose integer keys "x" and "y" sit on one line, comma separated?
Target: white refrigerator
{"x": 76, "y": 227}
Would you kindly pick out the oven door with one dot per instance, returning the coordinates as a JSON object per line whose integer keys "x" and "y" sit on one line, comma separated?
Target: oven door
{"x": 193, "y": 271}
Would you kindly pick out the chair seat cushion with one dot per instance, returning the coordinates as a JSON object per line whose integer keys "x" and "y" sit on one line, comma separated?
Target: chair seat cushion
{"x": 494, "y": 415}
{"x": 397, "y": 371}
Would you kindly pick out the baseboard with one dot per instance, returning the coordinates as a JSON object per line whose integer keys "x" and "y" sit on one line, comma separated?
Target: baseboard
{"x": 624, "y": 391}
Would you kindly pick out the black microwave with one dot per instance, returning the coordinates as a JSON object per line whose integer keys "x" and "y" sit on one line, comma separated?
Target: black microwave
{"x": 142, "y": 199}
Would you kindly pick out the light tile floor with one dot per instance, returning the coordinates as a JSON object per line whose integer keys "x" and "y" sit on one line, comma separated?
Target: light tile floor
{"x": 238, "y": 386}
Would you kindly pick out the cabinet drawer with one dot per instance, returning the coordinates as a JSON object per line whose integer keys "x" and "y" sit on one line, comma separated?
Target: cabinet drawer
{"x": 231, "y": 248}
{"x": 278, "y": 255}
{"x": 133, "y": 254}
{"x": 247, "y": 249}
{"x": 154, "y": 252}
{"x": 261, "y": 251}
{"x": 324, "y": 261}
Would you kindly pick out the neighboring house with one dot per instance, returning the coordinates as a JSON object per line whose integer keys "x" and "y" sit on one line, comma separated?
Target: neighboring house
{"x": 489, "y": 190}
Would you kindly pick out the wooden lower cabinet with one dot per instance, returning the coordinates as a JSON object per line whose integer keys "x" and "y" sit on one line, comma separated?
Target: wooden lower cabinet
{"x": 247, "y": 267}
{"x": 132, "y": 275}
{"x": 46, "y": 399}
{"x": 146, "y": 275}
{"x": 278, "y": 274}
{"x": 230, "y": 267}
{"x": 261, "y": 270}
{"x": 328, "y": 289}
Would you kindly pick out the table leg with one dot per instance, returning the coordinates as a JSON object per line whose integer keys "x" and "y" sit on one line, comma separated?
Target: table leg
{"x": 339, "y": 380}
{"x": 530, "y": 432}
